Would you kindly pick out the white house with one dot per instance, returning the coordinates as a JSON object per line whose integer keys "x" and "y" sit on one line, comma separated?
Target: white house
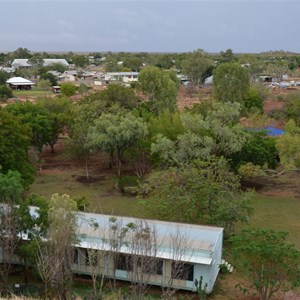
{"x": 19, "y": 83}
{"x": 197, "y": 248}
{"x": 181, "y": 253}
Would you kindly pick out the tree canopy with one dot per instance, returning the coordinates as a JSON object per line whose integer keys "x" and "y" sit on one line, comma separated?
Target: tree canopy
{"x": 231, "y": 83}
{"x": 14, "y": 150}
{"x": 160, "y": 87}
{"x": 267, "y": 260}
{"x": 198, "y": 192}
{"x": 195, "y": 66}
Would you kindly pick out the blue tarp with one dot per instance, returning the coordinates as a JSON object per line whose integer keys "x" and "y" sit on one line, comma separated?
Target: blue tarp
{"x": 270, "y": 130}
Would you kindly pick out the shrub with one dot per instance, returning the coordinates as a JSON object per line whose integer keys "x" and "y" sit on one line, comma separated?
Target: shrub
{"x": 124, "y": 183}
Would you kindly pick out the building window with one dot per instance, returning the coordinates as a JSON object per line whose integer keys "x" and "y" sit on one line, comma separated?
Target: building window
{"x": 75, "y": 256}
{"x": 150, "y": 265}
{"x": 123, "y": 262}
{"x": 91, "y": 258}
{"x": 182, "y": 271}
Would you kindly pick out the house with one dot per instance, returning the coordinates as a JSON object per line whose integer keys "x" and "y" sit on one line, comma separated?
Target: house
{"x": 68, "y": 76}
{"x": 179, "y": 253}
{"x": 124, "y": 77}
{"x": 197, "y": 249}
{"x": 25, "y": 63}
{"x": 19, "y": 83}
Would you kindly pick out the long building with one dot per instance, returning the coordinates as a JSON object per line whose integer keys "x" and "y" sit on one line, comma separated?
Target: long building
{"x": 181, "y": 253}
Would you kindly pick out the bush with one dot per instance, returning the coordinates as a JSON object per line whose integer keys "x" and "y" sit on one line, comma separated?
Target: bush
{"x": 5, "y": 93}
{"x": 125, "y": 183}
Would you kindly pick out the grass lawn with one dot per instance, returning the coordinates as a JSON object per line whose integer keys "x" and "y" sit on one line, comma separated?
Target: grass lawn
{"x": 102, "y": 195}
{"x": 32, "y": 93}
{"x": 278, "y": 213}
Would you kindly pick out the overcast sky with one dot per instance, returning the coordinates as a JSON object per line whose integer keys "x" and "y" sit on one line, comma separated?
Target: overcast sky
{"x": 153, "y": 25}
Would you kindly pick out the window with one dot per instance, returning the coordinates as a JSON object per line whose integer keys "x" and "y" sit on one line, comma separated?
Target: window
{"x": 91, "y": 258}
{"x": 151, "y": 265}
{"x": 75, "y": 256}
{"x": 123, "y": 262}
{"x": 182, "y": 271}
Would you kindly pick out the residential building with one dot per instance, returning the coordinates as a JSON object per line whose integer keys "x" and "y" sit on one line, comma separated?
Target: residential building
{"x": 195, "y": 249}
{"x": 19, "y": 83}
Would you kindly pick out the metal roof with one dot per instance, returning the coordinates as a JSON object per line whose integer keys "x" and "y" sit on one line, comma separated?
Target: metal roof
{"x": 24, "y": 62}
{"x": 177, "y": 241}
{"x": 19, "y": 81}
{"x": 198, "y": 242}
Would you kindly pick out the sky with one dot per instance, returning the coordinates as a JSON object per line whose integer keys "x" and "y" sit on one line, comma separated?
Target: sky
{"x": 150, "y": 26}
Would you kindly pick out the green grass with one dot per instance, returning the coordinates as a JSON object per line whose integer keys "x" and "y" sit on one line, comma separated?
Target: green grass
{"x": 278, "y": 213}
{"x": 32, "y": 93}
{"x": 102, "y": 195}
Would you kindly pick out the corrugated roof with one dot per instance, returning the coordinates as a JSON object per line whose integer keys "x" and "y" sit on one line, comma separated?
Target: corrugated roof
{"x": 19, "y": 80}
{"x": 199, "y": 241}
{"x": 193, "y": 243}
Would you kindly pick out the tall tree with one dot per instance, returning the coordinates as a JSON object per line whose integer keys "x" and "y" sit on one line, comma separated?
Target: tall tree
{"x": 198, "y": 192}
{"x": 114, "y": 133}
{"x": 118, "y": 94}
{"x": 231, "y": 83}
{"x": 195, "y": 65}
{"x": 55, "y": 256}
{"x": 267, "y": 260}
{"x": 160, "y": 87}
{"x": 37, "y": 118}
{"x": 216, "y": 134}
{"x": 288, "y": 146}
{"x": 59, "y": 111}
{"x": 3, "y": 77}
{"x": 14, "y": 150}
{"x": 80, "y": 60}
{"x": 11, "y": 189}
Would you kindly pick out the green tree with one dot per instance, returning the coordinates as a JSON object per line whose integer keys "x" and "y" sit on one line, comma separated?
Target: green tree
{"x": 164, "y": 61}
{"x": 231, "y": 83}
{"x": 79, "y": 142}
{"x": 133, "y": 63}
{"x": 259, "y": 150}
{"x": 216, "y": 134}
{"x": 198, "y": 192}
{"x": 80, "y": 60}
{"x": 292, "y": 107}
{"x": 118, "y": 94}
{"x": 167, "y": 124}
{"x": 11, "y": 188}
{"x": 21, "y": 53}
{"x": 37, "y": 118}
{"x": 227, "y": 56}
{"x": 253, "y": 101}
{"x": 267, "y": 260}
{"x": 34, "y": 226}
{"x": 59, "y": 113}
{"x": 114, "y": 133}
{"x": 160, "y": 87}
{"x": 5, "y": 93}
{"x": 55, "y": 256}
{"x": 195, "y": 65}
{"x": 68, "y": 89}
{"x": 14, "y": 150}
{"x": 50, "y": 77}
{"x": 44, "y": 84}
{"x": 288, "y": 146}
{"x": 36, "y": 61}
{"x": 4, "y": 76}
